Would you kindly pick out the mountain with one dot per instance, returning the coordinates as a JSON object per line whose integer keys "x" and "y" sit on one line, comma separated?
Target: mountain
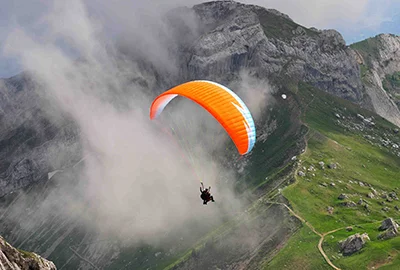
{"x": 340, "y": 110}
{"x": 379, "y": 58}
{"x": 29, "y": 136}
{"x": 270, "y": 44}
{"x": 11, "y": 258}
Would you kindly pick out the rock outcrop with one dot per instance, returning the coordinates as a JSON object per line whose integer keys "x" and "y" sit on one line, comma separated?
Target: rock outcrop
{"x": 14, "y": 259}
{"x": 353, "y": 243}
{"x": 390, "y": 228}
{"x": 380, "y": 57}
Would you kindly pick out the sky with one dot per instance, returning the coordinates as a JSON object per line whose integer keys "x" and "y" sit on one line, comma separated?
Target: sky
{"x": 354, "y": 19}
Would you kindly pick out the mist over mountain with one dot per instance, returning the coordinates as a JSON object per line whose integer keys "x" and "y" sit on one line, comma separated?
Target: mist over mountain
{"x": 84, "y": 170}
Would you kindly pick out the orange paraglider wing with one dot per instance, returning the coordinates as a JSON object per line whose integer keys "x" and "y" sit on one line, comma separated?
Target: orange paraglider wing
{"x": 229, "y": 110}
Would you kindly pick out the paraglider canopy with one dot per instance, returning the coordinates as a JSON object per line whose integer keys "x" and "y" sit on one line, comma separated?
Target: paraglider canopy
{"x": 222, "y": 103}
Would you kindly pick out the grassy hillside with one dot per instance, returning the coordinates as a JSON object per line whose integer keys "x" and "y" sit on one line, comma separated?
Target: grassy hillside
{"x": 368, "y": 48}
{"x": 364, "y": 149}
{"x": 367, "y": 161}
{"x": 267, "y": 234}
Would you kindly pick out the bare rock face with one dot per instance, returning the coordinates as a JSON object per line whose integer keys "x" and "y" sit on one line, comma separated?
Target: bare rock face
{"x": 31, "y": 143}
{"x": 11, "y": 258}
{"x": 237, "y": 36}
{"x": 353, "y": 243}
{"x": 18, "y": 173}
{"x": 269, "y": 44}
{"x": 381, "y": 58}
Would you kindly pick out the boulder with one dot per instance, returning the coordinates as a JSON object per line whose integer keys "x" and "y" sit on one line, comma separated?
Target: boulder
{"x": 349, "y": 204}
{"x": 370, "y": 195}
{"x": 387, "y": 224}
{"x": 389, "y": 233}
{"x": 393, "y": 195}
{"x": 390, "y": 228}
{"x": 332, "y": 166}
{"x": 353, "y": 243}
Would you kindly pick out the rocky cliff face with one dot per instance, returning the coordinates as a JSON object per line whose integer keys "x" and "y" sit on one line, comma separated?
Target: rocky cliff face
{"x": 270, "y": 45}
{"x": 14, "y": 259}
{"x": 29, "y": 137}
{"x": 379, "y": 58}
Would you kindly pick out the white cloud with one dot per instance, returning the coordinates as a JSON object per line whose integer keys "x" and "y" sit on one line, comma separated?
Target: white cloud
{"x": 348, "y": 16}
{"x": 135, "y": 181}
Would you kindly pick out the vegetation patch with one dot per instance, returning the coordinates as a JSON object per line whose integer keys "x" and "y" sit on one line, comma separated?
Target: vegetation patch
{"x": 347, "y": 179}
{"x": 368, "y": 48}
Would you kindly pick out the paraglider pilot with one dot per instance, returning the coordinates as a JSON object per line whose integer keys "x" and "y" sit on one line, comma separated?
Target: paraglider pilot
{"x": 205, "y": 194}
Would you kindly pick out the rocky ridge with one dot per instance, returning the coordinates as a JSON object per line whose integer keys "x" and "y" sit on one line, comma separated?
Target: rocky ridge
{"x": 269, "y": 44}
{"x": 379, "y": 57}
{"x": 14, "y": 259}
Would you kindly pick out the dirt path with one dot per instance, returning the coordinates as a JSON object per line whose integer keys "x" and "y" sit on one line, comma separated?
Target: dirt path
{"x": 321, "y": 250}
{"x": 302, "y": 220}
{"x": 321, "y": 240}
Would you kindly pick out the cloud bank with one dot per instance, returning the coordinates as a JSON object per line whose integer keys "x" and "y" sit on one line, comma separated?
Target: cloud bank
{"x": 356, "y": 19}
{"x": 135, "y": 183}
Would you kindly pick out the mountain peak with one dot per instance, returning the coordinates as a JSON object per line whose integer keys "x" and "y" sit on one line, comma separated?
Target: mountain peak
{"x": 224, "y": 8}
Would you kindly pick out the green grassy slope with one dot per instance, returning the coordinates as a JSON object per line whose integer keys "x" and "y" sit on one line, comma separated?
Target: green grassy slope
{"x": 365, "y": 156}
{"x": 366, "y": 161}
{"x": 368, "y": 48}
{"x": 276, "y": 26}
{"x": 300, "y": 252}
